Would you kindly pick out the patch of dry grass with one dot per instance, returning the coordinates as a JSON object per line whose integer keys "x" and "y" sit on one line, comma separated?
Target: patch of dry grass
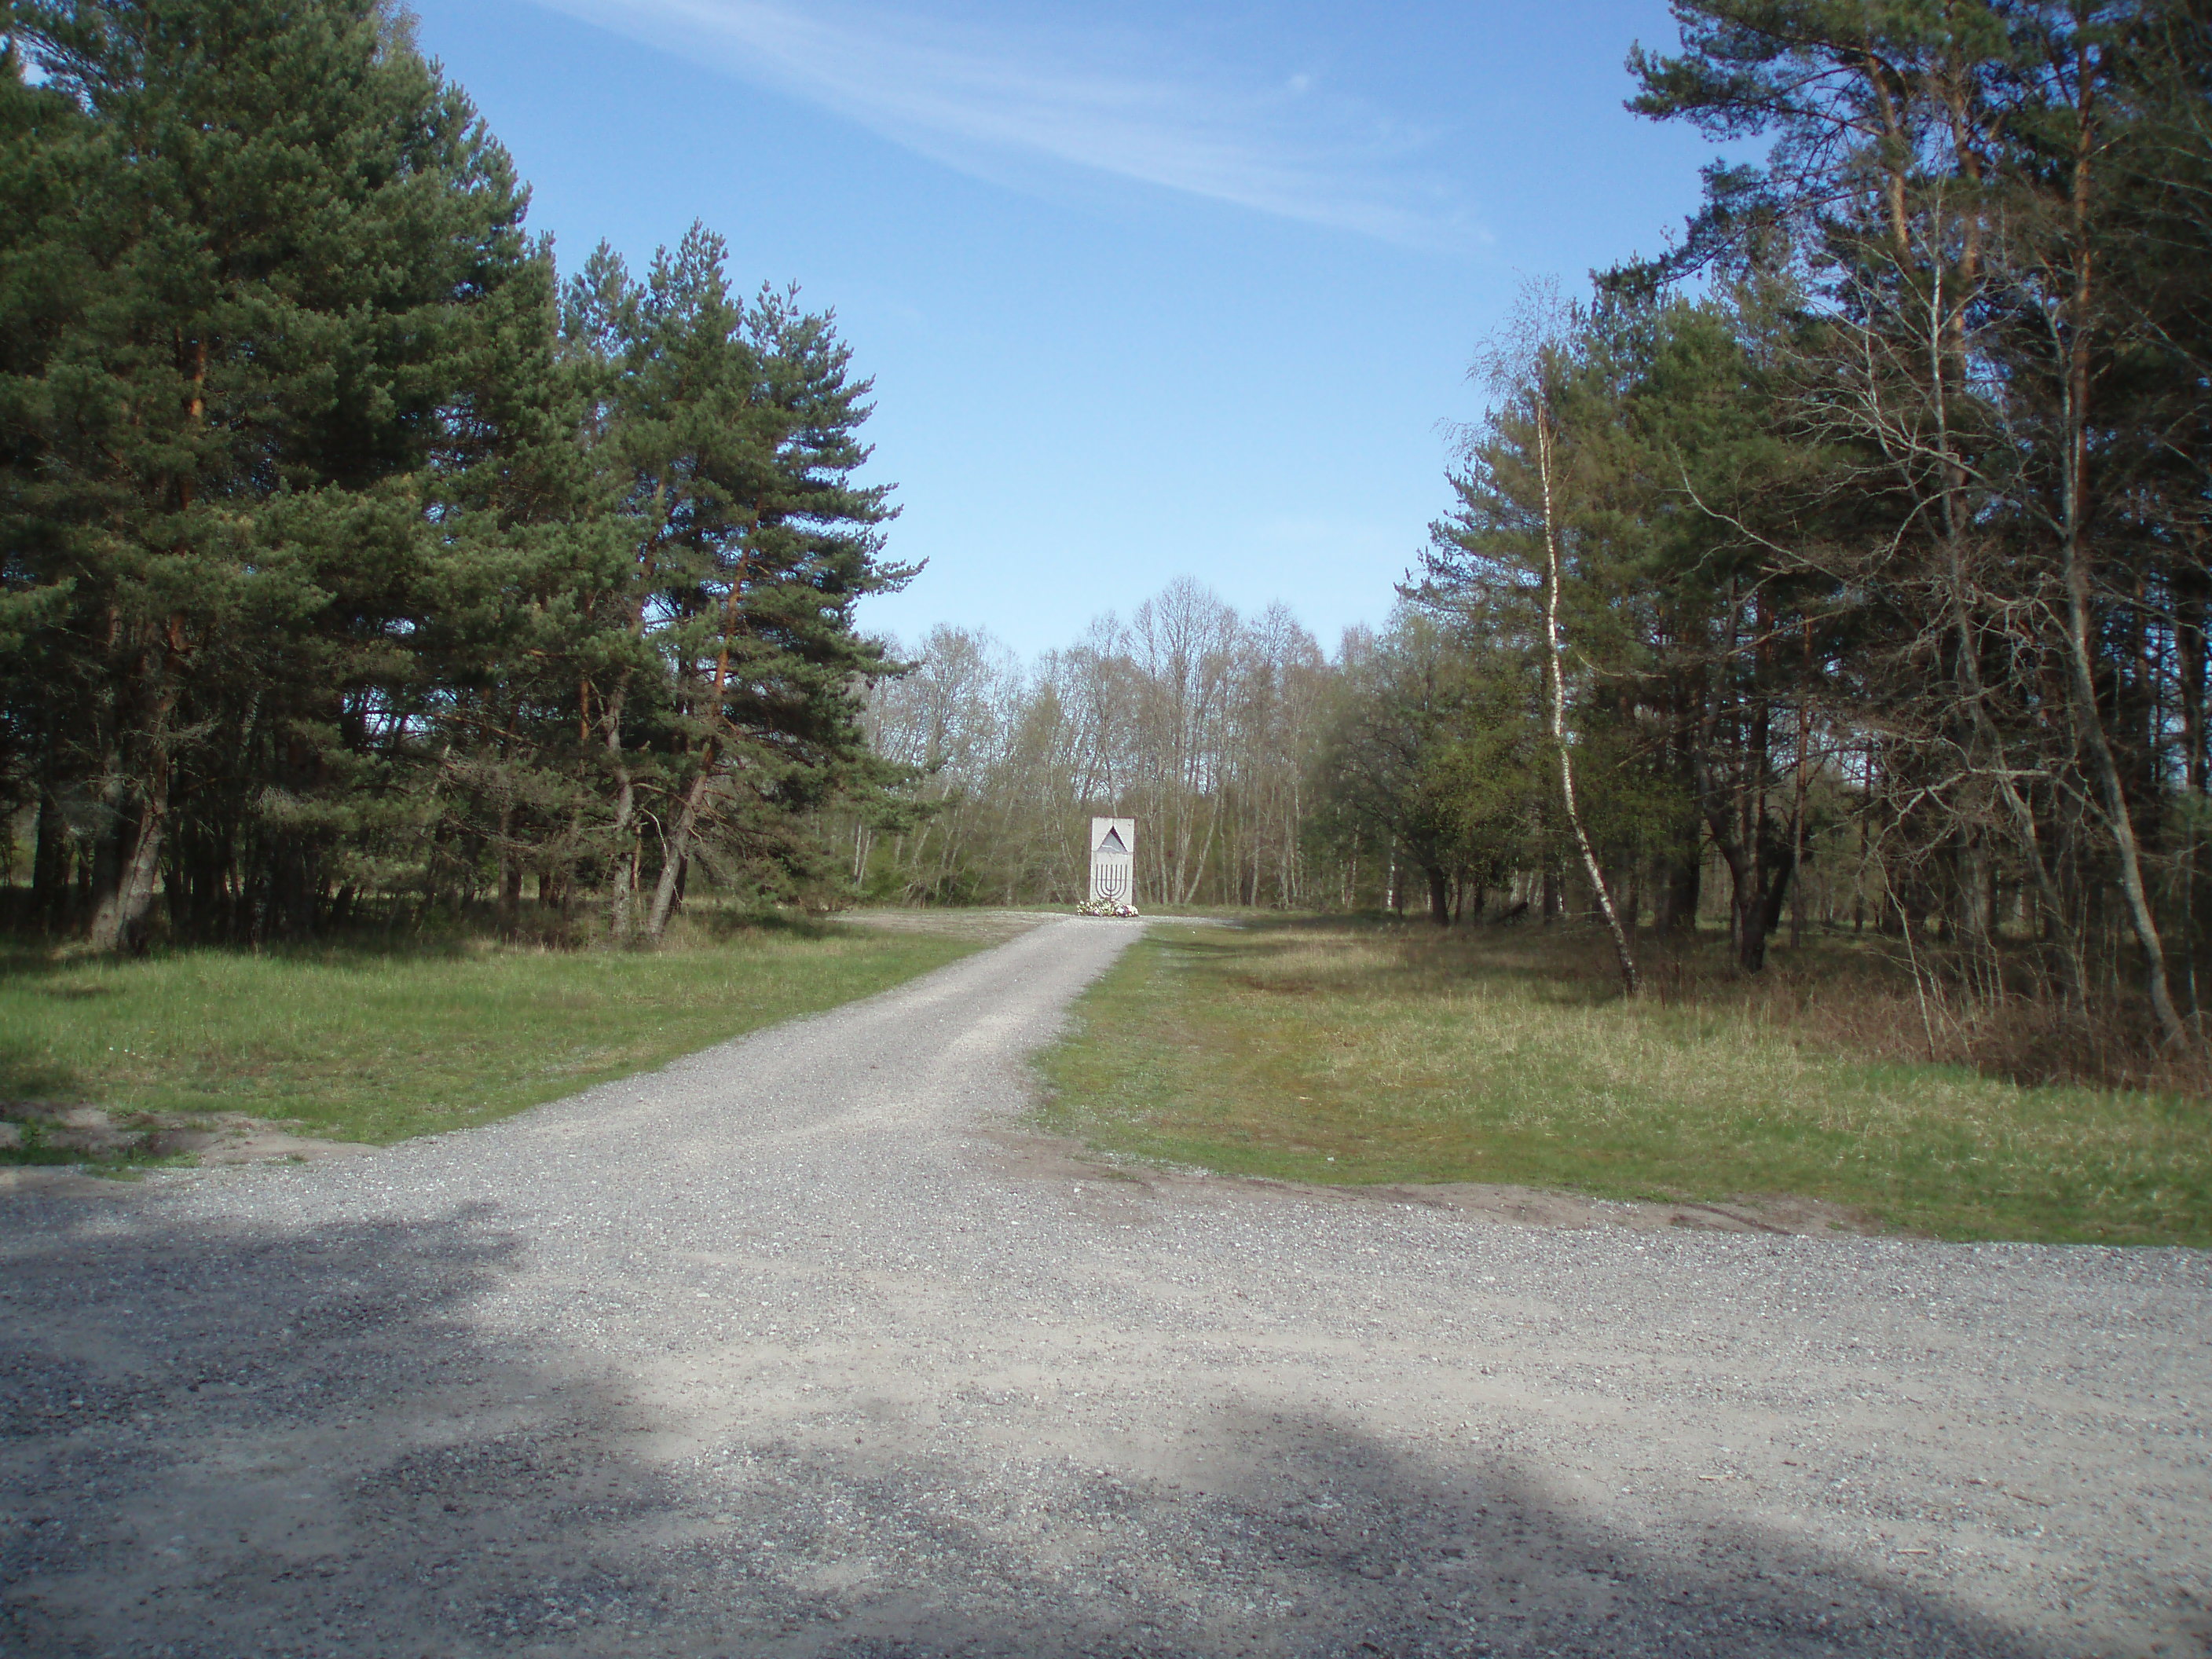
{"x": 1353, "y": 1052}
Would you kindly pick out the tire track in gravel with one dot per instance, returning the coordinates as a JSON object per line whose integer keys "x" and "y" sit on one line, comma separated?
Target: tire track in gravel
{"x": 799, "y": 1345}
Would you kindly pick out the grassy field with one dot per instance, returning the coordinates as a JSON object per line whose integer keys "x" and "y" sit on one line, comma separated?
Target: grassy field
{"x": 376, "y": 1046}
{"x": 1360, "y": 1052}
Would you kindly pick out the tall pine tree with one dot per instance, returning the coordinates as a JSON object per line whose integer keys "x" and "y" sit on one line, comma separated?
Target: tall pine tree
{"x": 282, "y": 227}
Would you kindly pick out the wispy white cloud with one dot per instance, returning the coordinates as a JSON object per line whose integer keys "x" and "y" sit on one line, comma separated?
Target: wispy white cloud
{"x": 994, "y": 104}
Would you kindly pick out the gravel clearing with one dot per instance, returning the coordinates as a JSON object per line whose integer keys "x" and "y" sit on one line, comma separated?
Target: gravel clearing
{"x": 800, "y": 1346}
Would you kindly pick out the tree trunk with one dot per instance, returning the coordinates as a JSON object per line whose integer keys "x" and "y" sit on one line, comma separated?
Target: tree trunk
{"x": 621, "y": 859}
{"x": 1556, "y": 661}
{"x": 1780, "y": 881}
{"x": 2117, "y": 818}
{"x": 119, "y": 921}
{"x": 135, "y": 856}
{"x": 1439, "y": 895}
{"x": 50, "y": 863}
{"x": 2075, "y": 569}
{"x": 2190, "y": 611}
{"x": 677, "y": 854}
{"x": 1681, "y": 885}
{"x": 1205, "y": 851}
{"x": 1746, "y": 909}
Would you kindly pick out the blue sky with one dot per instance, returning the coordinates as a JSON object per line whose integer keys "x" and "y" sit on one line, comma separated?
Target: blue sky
{"x": 1162, "y": 291}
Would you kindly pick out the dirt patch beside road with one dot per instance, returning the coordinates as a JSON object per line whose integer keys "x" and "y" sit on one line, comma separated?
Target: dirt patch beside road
{"x": 209, "y": 1138}
{"x": 1530, "y": 1206}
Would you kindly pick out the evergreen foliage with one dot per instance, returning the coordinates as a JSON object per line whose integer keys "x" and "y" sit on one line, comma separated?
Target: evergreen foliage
{"x": 349, "y": 557}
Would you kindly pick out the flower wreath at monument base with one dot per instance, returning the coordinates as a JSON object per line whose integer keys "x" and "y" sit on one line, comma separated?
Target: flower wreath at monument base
{"x": 1104, "y": 907}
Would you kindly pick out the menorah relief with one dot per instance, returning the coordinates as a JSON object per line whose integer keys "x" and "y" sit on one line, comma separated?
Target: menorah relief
{"x": 1113, "y": 866}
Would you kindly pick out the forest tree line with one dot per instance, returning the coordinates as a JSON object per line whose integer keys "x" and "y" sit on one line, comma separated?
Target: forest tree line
{"x": 1854, "y": 550}
{"x": 1849, "y": 558}
{"x": 357, "y": 562}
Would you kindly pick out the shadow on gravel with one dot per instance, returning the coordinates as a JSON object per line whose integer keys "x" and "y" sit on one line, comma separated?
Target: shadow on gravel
{"x": 1340, "y": 1547}
{"x": 219, "y": 1443}
{"x": 226, "y": 1442}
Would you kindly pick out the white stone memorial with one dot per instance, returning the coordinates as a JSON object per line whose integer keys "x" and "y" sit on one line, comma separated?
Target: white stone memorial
{"x": 1114, "y": 861}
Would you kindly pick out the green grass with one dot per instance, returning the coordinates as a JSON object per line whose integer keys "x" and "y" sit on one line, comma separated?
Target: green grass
{"x": 376, "y": 1046}
{"x": 1352, "y": 1053}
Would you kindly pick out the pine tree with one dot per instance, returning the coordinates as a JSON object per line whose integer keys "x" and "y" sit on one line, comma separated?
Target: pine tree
{"x": 283, "y": 225}
{"x": 45, "y": 152}
{"x": 730, "y": 432}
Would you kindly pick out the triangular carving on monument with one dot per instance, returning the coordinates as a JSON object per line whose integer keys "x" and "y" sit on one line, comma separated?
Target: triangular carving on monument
{"x": 1113, "y": 841}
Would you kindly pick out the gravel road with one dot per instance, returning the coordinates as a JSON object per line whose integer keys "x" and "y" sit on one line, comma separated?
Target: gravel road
{"x": 800, "y": 1346}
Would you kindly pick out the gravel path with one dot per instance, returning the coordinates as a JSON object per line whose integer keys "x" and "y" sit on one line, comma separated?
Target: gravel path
{"x": 797, "y": 1347}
